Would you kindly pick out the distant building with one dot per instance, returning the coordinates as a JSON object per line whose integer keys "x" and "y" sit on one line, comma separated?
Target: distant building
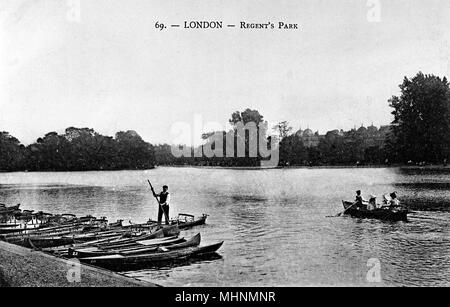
{"x": 309, "y": 138}
{"x": 376, "y": 137}
{"x": 371, "y": 136}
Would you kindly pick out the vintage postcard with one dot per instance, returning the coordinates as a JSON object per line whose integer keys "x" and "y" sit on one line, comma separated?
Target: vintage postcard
{"x": 191, "y": 144}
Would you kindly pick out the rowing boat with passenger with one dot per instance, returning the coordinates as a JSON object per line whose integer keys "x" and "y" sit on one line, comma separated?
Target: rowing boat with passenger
{"x": 385, "y": 213}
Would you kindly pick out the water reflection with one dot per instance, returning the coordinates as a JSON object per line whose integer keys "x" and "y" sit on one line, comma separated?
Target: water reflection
{"x": 425, "y": 190}
{"x": 142, "y": 269}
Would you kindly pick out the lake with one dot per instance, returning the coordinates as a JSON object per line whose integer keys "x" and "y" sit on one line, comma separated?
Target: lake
{"x": 274, "y": 222}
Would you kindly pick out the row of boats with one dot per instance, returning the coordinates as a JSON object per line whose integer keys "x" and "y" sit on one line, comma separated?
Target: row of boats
{"x": 109, "y": 245}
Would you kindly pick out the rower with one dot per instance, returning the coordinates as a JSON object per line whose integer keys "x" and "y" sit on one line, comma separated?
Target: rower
{"x": 359, "y": 200}
{"x": 164, "y": 200}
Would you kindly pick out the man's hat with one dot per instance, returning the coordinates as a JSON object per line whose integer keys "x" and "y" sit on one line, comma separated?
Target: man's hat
{"x": 358, "y": 192}
{"x": 165, "y": 187}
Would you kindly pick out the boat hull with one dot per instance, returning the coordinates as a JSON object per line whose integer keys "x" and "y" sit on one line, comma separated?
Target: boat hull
{"x": 123, "y": 263}
{"x": 46, "y": 242}
{"x": 198, "y": 222}
{"x": 183, "y": 224}
{"x": 137, "y": 248}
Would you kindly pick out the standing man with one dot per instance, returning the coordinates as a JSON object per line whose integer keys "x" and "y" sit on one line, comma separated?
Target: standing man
{"x": 164, "y": 200}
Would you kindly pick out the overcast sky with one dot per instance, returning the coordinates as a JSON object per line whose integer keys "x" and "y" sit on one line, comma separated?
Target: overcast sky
{"x": 112, "y": 70}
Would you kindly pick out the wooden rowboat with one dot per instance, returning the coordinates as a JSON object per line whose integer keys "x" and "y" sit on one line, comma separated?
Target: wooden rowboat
{"x": 45, "y": 229}
{"x": 15, "y": 207}
{"x": 194, "y": 241}
{"x": 37, "y": 243}
{"x": 385, "y": 214}
{"x": 120, "y": 262}
{"x": 9, "y": 210}
{"x": 58, "y": 240}
{"x": 122, "y": 242}
{"x": 158, "y": 245}
{"x": 77, "y": 226}
{"x": 18, "y": 228}
{"x": 163, "y": 246}
{"x": 64, "y": 249}
{"x": 9, "y": 225}
{"x": 186, "y": 220}
{"x": 43, "y": 232}
{"x": 66, "y": 236}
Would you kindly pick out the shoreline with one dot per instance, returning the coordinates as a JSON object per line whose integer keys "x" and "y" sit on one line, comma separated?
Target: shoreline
{"x": 409, "y": 167}
{"x": 256, "y": 168}
{"x": 23, "y": 267}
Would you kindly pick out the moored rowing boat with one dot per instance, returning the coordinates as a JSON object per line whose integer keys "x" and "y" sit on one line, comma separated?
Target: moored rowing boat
{"x": 120, "y": 262}
{"x": 6, "y": 211}
{"x": 184, "y": 221}
{"x": 37, "y": 243}
{"x": 151, "y": 246}
{"x": 97, "y": 242}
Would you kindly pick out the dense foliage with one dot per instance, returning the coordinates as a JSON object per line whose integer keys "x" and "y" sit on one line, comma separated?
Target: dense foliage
{"x": 78, "y": 149}
{"x": 222, "y": 148}
{"x": 421, "y": 126}
{"x": 354, "y": 147}
{"x": 419, "y": 134}
{"x": 12, "y": 153}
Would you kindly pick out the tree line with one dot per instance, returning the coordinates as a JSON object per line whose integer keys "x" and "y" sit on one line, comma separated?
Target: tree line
{"x": 419, "y": 133}
{"x": 214, "y": 151}
{"x": 78, "y": 149}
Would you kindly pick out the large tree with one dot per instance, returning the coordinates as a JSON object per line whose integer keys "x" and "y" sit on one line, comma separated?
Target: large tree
{"x": 421, "y": 126}
{"x": 254, "y": 121}
{"x": 283, "y": 129}
{"x": 11, "y": 153}
{"x": 239, "y": 146}
{"x": 133, "y": 151}
{"x": 83, "y": 149}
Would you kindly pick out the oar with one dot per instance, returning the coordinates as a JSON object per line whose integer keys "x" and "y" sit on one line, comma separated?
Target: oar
{"x": 339, "y": 214}
{"x": 345, "y": 211}
{"x": 153, "y": 191}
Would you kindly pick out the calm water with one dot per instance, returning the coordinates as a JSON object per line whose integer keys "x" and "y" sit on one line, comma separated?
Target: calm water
{"x": 273, "y": 222}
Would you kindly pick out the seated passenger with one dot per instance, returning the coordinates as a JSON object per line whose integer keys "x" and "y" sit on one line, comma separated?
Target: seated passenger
{"x": 394, "y": 200}
{"x": 372, "y": 203}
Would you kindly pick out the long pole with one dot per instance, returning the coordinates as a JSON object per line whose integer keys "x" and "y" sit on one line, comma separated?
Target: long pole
{"x": 160, "y": 206}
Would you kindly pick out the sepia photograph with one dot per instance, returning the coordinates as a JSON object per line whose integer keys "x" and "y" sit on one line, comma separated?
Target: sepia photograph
{"x": 206, "y": 145}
